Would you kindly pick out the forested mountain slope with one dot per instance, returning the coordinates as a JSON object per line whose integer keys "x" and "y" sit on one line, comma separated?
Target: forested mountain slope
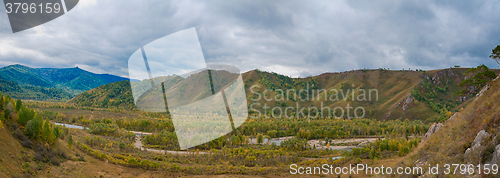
{"x": 383, "y": 94}
{"x": 71, "y": 80}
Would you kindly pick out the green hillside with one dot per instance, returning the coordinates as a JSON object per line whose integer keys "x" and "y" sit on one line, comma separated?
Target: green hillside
{"x": 32, "y": 92}
{"x": 24, "y": 76}
{"x": 116, "y": 94}
{"x": 423, "y": 95}
{"x": 51, "y": 83}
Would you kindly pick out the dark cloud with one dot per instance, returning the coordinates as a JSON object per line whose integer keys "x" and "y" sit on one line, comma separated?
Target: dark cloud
{"x": 295, "y": 38}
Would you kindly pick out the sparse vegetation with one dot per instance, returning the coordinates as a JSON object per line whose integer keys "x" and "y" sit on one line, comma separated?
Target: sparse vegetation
{"x": 477, "y": 79}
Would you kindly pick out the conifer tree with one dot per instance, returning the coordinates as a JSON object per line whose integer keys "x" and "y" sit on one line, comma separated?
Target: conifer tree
{"x": 47, "y": 134}
{"x": 70, "y": 141}
{"x": 19, "y": 103}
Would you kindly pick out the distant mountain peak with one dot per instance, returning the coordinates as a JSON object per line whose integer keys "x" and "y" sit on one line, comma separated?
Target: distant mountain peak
{"x": 17, "y": 66}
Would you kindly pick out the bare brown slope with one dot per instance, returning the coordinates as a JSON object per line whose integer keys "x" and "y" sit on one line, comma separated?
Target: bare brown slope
{"x": 392, "y": 87}
{"x": 10, "y": 154}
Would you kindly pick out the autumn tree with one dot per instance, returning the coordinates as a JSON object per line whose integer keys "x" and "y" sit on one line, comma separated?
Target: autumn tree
{"x": 47, "y": 134}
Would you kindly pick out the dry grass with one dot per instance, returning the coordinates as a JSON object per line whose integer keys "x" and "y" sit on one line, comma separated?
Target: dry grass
{"x": 448, "y": 145}
{"x": 11, "y": 156}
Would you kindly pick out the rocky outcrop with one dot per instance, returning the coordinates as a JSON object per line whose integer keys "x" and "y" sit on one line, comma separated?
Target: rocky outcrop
{"x": 436, "y": 80}
{"x": 451, "y": 118}
{"x": 406, "y": 102}
{"x": 480, "y": 137}
{"x": 496, "y": 156}
{"x": 486, "y": 88}
{"x": 477, "y": 141}
{"x": 450, "y": 72}
{"x": 433, "y": 129}
{"x": 387, "y": 115}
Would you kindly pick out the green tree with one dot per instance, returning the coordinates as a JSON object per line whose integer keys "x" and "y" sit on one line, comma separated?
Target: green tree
{"x": 33, "y": 127}
{"x": 47, "y": 134}
{"x": 19, "y": 104}
{"x": 56, "y": 132}
{"x": 480, "y": 76}
{"x": 373, "y": 154}
{"x": 358, "y": 161}
{"x": 495, "y": 54}
{"x": 6, "y": 113}
{"x": 1, "y": 101}
{"x": 25, "y": 115}
{"x": 70, "y": 141}
{"x": 260, "y": 138}
{"x": 122, "y": 145}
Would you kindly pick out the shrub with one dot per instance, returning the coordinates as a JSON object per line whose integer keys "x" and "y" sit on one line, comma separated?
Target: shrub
{"x": 61, "y": 154}
{"x": 358, "y": 160}
{"x": 132, "y": 162}
{"x": 486, "y": 154}
{"x": 18, "y": 134}
{"x": 38, "y": 157}
{"x": 55, "y": 161}
{"x": 122, "y": 145}
{"x": 27, "y": 143}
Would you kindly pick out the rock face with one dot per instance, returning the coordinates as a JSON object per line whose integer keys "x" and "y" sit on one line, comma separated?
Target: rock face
{"x": 452, "y": 116}
{"x": 477, "y": 141}
{"x": 496, "y": 156}
{"x": 433, "y": 129}
{"x": 487, "y": 87}
{"x": 450, "y": 72}
{"x": 406, "y": 102}
{"x": 480, "y": 137}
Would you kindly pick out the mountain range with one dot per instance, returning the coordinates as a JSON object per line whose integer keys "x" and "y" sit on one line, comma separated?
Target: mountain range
{"x": 401, "y": 94}
{"x": 50, "y": 83}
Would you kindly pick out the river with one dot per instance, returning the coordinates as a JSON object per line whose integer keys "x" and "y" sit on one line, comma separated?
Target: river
{"x": 138, "y": 144}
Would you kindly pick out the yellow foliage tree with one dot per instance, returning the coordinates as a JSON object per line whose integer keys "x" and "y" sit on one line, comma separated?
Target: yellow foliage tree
{"x": 448, "y": 114}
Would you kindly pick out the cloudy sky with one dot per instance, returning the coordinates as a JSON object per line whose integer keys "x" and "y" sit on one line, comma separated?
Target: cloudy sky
{"x": 295, "y": 38}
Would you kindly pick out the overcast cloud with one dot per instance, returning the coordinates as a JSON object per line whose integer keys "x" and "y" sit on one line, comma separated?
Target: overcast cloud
{"x": 295, "y": 38}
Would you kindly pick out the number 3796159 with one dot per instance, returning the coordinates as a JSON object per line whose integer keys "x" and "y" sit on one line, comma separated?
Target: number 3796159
{"x": 33, "y": 8}
{"x": 470, "y": 169}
